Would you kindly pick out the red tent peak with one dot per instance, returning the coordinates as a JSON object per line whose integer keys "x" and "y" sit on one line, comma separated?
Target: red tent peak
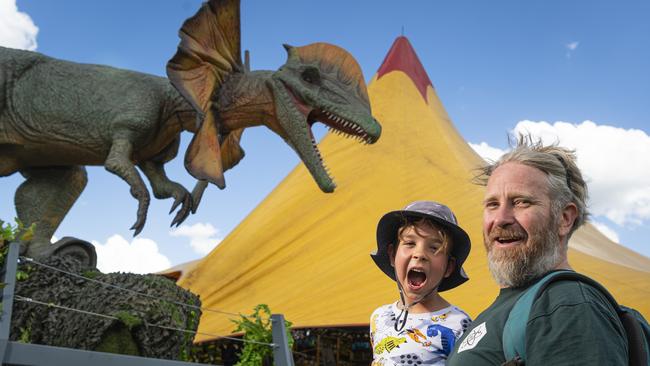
{"x": 402, "y": 57}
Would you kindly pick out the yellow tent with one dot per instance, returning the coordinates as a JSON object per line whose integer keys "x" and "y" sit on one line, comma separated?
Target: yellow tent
{"x": 306, "y": 254}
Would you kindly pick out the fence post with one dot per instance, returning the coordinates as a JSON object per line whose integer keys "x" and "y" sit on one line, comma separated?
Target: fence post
{"x": 9, "y": 280}
{"x": 281, "y": 353}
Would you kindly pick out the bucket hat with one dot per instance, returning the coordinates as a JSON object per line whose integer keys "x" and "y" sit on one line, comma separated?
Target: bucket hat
{"x": 439, "y": 214}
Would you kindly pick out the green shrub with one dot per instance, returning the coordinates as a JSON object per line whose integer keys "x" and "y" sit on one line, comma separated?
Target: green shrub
{"x": 9, "y": 233}
{"x": 257, "y": 328}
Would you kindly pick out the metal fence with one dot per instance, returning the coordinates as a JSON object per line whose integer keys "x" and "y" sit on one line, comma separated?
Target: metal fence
{"x": 17, "y": 353}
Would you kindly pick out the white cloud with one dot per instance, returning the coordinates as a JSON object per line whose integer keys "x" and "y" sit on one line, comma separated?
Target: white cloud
{"x": 17, "y": 30}
{"x": 486, "y": 151}
{"x": 572, "y": 46}
{"x": 139, "y": 256}
{"x": 202, "y": 236}
{"x": 613, "y": 160}
{"x": 607, "y": 231}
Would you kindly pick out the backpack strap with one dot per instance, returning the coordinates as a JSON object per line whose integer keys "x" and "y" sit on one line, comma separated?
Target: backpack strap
{"x": 514, "y": 331}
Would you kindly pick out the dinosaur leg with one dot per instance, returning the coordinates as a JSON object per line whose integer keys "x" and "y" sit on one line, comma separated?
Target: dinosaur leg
{"x": 163, "y": 188}
{"x": 45, "y": 198}
{"x": 119, "y": 163}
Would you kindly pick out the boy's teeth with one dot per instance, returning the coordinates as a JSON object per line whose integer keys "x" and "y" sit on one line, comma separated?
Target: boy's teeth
{"x": 416, "y": 277}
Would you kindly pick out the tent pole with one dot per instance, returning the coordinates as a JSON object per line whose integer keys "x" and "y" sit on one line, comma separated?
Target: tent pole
{"x": 281, "y": 353}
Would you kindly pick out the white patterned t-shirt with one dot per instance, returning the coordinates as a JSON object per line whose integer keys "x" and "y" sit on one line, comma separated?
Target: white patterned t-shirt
{"x": 426, "y": 339}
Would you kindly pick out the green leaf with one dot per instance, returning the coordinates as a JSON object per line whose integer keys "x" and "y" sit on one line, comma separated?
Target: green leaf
{"x": 21, "y": 275}
{"x": 257, "y": 327}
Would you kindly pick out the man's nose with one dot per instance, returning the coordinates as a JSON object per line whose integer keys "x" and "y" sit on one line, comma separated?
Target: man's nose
{"x": 502, "y": 216}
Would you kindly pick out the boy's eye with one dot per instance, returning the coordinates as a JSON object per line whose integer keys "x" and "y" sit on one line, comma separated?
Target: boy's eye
{"x": 435, "y": 247}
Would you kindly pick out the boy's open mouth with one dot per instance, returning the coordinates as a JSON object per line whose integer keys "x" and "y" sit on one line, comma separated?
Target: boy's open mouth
{"x": 416, "y": 278}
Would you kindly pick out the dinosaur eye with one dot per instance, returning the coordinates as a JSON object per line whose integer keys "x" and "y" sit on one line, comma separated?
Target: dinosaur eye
{"x": 311, "y": 75}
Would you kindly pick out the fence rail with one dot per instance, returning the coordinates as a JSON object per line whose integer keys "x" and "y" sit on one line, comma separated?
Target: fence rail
{"x": 17, "y": 353}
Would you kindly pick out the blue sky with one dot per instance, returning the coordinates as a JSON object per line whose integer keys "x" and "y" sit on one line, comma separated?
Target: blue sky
{"x": 497, "y": 66}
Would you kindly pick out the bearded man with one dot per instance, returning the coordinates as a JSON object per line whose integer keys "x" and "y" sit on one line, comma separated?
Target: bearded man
{"x": 535, "y": 199}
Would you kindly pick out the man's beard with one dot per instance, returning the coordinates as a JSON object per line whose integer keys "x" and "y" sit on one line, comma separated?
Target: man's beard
{"x": 517, "y": 266}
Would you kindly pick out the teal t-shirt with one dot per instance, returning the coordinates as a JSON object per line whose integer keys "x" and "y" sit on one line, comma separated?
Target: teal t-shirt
{"x": 571, "y": 323}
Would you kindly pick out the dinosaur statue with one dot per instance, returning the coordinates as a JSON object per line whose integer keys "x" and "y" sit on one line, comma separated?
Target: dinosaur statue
{"x": 57, "y": 117}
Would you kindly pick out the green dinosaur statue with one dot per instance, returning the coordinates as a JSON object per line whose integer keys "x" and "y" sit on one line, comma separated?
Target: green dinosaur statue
{"x": 58, "y": 116}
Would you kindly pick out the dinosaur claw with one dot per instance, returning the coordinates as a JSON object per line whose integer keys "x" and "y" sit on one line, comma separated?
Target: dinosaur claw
{"x": 197, "y": 193}
{"x": 175, "y": 204}
{"x": 181, "y": 216}
{"x": 138, "y": 226}
{"x": 137, "y": 230}
{"x": 184, "y": 199}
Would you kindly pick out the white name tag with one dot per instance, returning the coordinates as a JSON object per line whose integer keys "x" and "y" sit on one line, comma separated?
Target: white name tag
{"x": 473, "y": 338}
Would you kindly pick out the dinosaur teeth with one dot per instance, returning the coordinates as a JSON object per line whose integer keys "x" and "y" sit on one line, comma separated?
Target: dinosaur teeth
{"x": 346, "y": 128}
{"x": 315, "y": 146}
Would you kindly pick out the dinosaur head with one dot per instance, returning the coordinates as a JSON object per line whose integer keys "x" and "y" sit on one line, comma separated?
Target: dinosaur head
{"x": 321, "y": 83}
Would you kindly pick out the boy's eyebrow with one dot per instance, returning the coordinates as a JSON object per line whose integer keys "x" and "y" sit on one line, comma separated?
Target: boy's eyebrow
{"x": 409, "y": 235}
{"x": 433, "y": 238}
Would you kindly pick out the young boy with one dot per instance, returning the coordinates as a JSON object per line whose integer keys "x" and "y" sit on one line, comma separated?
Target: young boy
{"x": 422, "y": 249}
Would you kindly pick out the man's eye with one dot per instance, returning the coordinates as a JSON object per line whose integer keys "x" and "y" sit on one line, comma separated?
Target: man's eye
{"x": 522, "y": 203}
{"x": 491, "y": 204}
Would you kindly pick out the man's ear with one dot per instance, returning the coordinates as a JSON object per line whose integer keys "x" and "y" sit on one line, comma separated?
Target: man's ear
{"x": 568, "y": 217}
{"x": 391, "y": 254}
{"x": 451, "y": 266}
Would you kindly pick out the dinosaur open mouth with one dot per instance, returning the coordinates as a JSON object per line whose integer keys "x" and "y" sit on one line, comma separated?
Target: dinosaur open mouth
{"x": 340, "y": 125}
{"x": 296, "y": 116}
